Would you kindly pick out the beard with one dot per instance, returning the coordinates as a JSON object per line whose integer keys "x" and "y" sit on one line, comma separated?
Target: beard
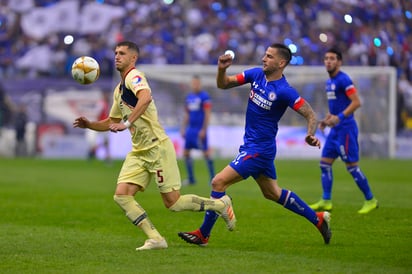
{"x": 332, "y": 71}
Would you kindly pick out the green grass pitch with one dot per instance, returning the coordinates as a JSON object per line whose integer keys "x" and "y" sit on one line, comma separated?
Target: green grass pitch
{"x": 58, "y": 216}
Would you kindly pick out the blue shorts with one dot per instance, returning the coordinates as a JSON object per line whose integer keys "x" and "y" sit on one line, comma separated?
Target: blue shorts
{"x": 192, "y": 141}
{"x": 342, "y": 143}
{"x": 252, "y": 164}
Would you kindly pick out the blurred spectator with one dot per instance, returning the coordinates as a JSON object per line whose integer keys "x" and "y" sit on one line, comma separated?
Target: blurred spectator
{"x": 20, "y": 122}
{"x": 35, "y": 38}
{"x": 92, "y": 137}
{"x": 33, "y": 32}
{"x": 37, "y": 61}
{"x": 6, "y": 108}
{"x": 187, "y": 32}
{"x": 405, "y": 92}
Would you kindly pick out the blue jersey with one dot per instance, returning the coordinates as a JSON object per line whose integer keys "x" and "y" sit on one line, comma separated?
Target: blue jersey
{"x": 342, "y": 140}
{"x": 338, "y": 88}
{"x": 267, "y": 103}
{"x": 195, "y": 104}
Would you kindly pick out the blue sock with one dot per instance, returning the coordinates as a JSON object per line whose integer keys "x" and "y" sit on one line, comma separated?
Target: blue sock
{"x": 361, "y": 181}
{"x": 327, "y": 180}
{"x": 189, "y": 169}
{"x": 210, "y": 216}
{"x": 292, "y": 202}
{"x": 210, "y": 167}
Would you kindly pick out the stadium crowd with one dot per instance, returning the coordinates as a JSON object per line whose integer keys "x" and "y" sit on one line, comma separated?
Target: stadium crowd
{"x": 373, "y": 33}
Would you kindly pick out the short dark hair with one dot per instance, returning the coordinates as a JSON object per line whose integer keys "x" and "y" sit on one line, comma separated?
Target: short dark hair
{"x": 130, "y": 45}
{"x": 336, "y": 51}
{"x": 284, "y": 51}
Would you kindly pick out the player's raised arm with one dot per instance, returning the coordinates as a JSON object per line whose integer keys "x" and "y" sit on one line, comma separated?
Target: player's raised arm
{"x": 222, "y": 79}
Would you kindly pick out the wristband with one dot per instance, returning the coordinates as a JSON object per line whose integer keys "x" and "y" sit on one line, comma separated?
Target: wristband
{"x": 341, "y": 116}
{"x": 127, "y": 123}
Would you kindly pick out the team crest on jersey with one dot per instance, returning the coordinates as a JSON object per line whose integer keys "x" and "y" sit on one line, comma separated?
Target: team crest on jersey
{"x": 272, "y": 96}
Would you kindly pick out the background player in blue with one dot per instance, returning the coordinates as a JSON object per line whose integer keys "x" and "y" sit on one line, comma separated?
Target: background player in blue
{"x": 342, "y": 140}
{"x": 270, "y": 96}
{"x": 194, "y": 128}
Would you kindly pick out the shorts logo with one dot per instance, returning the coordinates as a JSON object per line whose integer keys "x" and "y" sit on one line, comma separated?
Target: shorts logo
{"x": 239, "y": 157}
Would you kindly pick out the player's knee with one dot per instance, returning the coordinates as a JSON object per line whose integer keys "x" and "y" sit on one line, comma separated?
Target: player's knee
{"x": 217, "y": 183}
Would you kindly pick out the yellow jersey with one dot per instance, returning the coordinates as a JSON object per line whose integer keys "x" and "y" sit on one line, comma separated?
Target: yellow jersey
{"x": 146, "y": 131}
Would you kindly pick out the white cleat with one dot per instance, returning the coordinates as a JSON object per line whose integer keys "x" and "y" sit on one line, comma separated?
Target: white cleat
{"x": 153, "y": 244}
{"x": 227, "y": 213}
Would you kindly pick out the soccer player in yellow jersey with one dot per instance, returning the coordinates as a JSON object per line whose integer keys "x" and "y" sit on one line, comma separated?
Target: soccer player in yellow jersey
{"x": 152, "y": 156}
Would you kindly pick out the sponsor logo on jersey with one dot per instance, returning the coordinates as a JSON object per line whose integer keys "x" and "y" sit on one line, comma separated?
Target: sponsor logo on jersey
{"x": 331, "y": 95}
{"x": 260, "y": 101}
{"x": 136, "y": 80}
{"x": 194, "y": 104}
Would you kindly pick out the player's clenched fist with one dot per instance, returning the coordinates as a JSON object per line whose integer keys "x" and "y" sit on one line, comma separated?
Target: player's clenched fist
{"x": 312, "y": 141}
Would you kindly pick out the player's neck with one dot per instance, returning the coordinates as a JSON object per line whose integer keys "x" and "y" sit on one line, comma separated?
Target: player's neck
{"x": 124, "y": 73}
{"x": 274, "y": 76}
{"x": 333, "y": 73}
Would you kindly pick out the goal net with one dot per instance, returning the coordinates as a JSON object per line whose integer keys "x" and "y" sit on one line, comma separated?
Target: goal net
{"x": 376, "y": 117}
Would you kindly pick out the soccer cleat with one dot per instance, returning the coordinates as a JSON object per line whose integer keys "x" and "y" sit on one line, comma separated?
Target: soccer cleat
{"x": 227, "y": 213}
{"x": 194, "y": 237}
{"x": 153, "y": 244}
{"x": 322, "y": 205}
{"x": 324, "y": 225}
{"x": 368, "y": 206}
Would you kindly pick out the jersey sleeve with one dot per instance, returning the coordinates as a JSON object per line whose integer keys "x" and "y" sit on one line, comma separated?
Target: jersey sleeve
{"x": 206, "y": 101}
{"x": 348, "y": 85}
{"x": 298, "y": 103}
{"x": 241, "y": 78}
{"x": 292, "y": 98}
{"x": 247, "y": 76}
{"x": 136, "y": 81}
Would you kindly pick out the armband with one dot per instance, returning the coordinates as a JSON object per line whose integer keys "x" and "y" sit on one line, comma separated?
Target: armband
{"x": 127, "y": 123}
{"x": 341, "y": 116}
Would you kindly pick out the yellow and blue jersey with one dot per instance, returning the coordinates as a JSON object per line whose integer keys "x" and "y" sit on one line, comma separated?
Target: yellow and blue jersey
{"x": 146, "y": 131}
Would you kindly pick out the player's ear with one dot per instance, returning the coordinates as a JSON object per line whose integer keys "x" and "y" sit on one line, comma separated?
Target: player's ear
{"x": 283, "y": 63}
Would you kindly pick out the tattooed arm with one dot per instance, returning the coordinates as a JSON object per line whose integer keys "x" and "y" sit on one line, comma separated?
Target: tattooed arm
{"x": 306, "y": 111}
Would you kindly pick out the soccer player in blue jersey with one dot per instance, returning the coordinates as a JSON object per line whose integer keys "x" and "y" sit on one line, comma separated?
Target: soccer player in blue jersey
{"x": 269, "y": 97}
{"x": 342, "y": 140}
{"x": 194, "y": 128}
